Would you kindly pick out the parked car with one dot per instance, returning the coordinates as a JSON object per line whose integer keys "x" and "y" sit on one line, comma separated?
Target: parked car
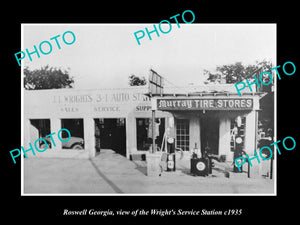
{"x": 265, "y": 141}
{"x": 74, "y": 143}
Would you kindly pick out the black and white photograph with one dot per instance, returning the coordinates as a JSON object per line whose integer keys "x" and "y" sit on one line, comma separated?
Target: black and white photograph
{"x": 160, "y": 117}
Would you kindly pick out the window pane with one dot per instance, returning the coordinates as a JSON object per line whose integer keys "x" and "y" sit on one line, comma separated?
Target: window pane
{"x": 182, "y": 134}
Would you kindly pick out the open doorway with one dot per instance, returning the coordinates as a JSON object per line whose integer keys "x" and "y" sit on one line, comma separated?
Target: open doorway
{"x": 111, "y": 134}
{"x": 209, "y": 133}
{"x": 39, "y": 129}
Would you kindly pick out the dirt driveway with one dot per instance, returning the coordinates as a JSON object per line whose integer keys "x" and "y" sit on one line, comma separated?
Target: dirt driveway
{"x": 111, "y": 173}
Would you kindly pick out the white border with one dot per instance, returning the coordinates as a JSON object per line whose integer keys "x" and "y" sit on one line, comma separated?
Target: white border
{"x": 22, "y": 113}
{"x": 275, "y": 119}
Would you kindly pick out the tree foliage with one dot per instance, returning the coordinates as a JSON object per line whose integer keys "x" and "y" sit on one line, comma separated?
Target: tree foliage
{"x": 136, "y": 81}
{"x": 237, "y": 72}
{"x": 46, "y": 78}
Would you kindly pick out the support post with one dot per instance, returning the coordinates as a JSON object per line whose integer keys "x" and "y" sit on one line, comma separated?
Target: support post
{"x": 271, "y": 168}
{"x": 153, "y": 131}
{"x": 248, "y": 170}
{"x": 255, "y": 138}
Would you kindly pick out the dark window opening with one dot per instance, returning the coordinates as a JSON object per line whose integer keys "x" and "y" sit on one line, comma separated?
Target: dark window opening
{"x": 75, "y": 126}
{"x": 209, "y": 131}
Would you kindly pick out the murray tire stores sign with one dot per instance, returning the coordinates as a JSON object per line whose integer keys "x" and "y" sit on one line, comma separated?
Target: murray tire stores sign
{"x": 205, "y": 104}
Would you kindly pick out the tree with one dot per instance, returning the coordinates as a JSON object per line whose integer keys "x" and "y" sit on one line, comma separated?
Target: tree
{"x": 46, "y": 78}
{"x": 237, "y": 72}
{"x": 137, "y": 81}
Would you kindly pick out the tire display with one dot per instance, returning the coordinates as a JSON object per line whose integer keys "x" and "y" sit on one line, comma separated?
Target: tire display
{"x": 199, "y": 167}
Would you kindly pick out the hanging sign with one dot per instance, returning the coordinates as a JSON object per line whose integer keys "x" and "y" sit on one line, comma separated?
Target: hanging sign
{"x": 207, "y": 104}
{"x": 155, "y": 83}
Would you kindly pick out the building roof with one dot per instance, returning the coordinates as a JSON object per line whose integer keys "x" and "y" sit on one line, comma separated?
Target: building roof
{"x": 191, "y": 90}
{"x": 206, "y": 90}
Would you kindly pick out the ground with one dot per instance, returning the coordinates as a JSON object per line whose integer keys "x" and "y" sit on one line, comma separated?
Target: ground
{"x": 111, "y": 173}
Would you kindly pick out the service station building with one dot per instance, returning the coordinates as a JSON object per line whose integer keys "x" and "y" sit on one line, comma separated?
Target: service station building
{"x": 119, "y": 119}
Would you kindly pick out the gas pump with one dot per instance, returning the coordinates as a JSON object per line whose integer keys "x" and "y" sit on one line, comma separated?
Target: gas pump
{"x": 170, "y": 145}
{"x": 171, "y": 154}
{"x": 208, "y": 158}
{"x": 238, "y": 144}
{"x": 238, "y": 152}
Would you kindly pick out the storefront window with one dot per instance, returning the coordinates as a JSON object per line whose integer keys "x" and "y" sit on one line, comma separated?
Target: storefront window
{"x": 75, "y": 126}
{"x": 183, "y": 134}
{"x": 39, "y": 129}
{"x": 237, "y": 128}
{"x": 144, "y": 132}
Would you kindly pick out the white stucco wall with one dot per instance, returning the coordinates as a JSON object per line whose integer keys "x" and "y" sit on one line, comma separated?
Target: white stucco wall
{"x": 128, "y": 103}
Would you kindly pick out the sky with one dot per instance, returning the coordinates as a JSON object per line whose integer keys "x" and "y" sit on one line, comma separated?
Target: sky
{"x": 105, "y": 55}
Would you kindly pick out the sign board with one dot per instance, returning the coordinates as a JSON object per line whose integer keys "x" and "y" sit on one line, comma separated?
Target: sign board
{"x": 155, "y": 83}
{"x": 207, "y": 104}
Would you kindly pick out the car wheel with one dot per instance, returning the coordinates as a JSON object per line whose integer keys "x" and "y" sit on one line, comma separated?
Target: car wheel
{"x": 43, "y": 146}
{"x": 77, "y": 147}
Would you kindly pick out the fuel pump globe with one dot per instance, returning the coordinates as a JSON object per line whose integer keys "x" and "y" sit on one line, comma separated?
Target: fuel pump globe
{"x": 239, "y": 140}
{"x": 170, "y": 140}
